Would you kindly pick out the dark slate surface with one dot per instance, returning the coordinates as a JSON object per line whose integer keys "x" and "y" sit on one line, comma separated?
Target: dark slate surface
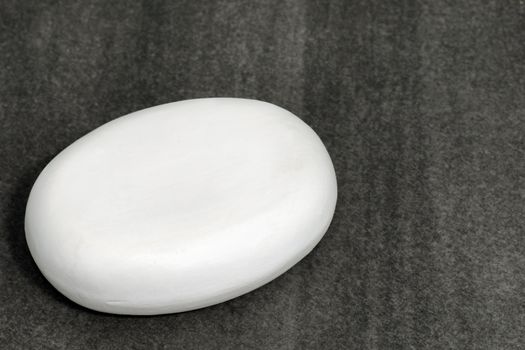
{"x": 420, "y": 104}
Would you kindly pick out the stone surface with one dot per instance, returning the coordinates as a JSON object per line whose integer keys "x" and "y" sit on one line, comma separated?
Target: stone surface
{"x": 421, "y": 105}
{"x": 180, "y": 206}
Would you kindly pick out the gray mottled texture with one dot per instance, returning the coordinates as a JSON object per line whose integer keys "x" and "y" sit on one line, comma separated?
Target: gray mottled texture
{"x": 420, "y": 103}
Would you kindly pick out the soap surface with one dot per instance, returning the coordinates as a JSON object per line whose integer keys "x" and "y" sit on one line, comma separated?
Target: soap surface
{"x": 180, "y": 206}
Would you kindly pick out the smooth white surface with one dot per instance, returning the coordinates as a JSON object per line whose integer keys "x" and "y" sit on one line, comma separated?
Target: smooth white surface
{"x": 180, "y": 206}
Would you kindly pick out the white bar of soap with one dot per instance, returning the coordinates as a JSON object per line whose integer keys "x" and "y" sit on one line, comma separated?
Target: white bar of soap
{"x": 180, "y": 206}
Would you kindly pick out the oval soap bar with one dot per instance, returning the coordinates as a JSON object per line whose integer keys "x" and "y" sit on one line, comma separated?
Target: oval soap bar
{"x": 180, "y": 206}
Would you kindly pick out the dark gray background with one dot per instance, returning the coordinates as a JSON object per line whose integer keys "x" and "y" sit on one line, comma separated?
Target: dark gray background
{"x": 420, "y": 104}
